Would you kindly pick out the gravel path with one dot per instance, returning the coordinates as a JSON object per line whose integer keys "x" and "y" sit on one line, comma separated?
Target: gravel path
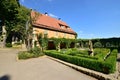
{"x": 41, "y": 68}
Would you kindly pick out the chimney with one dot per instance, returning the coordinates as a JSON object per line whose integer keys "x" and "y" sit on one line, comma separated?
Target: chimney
{"x": 46, "y": 13}
{"x": 59, "y": 18}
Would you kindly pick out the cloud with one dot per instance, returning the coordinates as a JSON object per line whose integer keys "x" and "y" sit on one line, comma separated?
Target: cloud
{"x": 52, "y": 15}
{"x": 22, "y": 1}
{"x": 82, "y": 34}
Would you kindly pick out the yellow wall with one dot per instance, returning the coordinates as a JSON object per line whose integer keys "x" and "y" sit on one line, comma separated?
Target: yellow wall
{"x": 51, "y": 33}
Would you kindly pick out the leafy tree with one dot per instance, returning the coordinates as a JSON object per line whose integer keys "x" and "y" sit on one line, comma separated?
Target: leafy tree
{"x": 43, "y": 41}
{"x": 57, "y": 42}
{"x": 68, "y": 42}
{"x": 8, "y": 15}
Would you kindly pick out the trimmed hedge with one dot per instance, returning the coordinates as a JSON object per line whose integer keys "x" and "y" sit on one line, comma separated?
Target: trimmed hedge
{"x": 112, "y": 59}
{"x": 96, "y": 65}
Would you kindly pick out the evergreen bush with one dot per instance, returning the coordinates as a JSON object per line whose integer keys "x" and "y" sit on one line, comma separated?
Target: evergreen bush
{"x": 97, "y": 65}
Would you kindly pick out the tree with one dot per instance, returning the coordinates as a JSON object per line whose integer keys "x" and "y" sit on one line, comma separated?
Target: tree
{"x": 97, "y": 45}
{"x": 68, "y": 42}
{"x": 43, "y": 41}
{"x": 8, "y": 11}
{"x": 57, "y": 42}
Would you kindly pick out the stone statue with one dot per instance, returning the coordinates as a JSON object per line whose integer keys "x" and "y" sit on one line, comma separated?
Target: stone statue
{"x": 91, "y": 48}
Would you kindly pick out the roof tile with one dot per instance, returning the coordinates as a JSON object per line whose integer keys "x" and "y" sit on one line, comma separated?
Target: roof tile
{"x": 44, "y": 21}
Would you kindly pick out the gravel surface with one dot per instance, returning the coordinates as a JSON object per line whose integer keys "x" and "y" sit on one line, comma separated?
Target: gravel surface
{"x": 41, "y": 68}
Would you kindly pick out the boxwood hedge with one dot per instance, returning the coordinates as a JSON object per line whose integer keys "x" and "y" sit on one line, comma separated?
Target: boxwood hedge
{"x": 101, "y": 66}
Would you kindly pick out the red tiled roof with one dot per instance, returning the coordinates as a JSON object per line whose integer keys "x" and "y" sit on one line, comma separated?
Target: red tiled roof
{"x": 44, "y": 21}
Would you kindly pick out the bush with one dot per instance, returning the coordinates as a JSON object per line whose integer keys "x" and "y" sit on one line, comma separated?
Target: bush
{"x": 25, "y": 55}
{"x": 33, "y": 53}
{"x": 112, "y": 59}
{"x": 97, "y": 45}
{"x": 36, "y": 51}
{"x": 100, "y": 66}
{"x": 17, "y": 43}
{"x": 8, "y": 45}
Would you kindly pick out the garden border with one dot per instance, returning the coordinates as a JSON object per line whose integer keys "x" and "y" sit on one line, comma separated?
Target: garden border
{"x": 98, "y": 75}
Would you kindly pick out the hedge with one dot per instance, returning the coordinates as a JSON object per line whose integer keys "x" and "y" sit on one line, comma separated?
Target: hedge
{"x": 112, "y": 59}
{"x": 96, "y": 65}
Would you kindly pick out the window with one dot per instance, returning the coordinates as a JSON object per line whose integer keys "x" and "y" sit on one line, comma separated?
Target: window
{"x": 62, "y": 27}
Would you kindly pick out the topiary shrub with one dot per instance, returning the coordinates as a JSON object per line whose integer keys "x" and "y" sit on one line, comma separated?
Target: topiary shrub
{"x": 8, "y": 45}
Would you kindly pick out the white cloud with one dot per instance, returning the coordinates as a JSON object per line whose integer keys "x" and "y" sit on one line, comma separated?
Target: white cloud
{"x": 52, "y": 15}
{"x": 82, "y": 34}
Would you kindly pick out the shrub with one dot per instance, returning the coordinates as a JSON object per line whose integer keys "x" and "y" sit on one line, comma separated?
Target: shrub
{"x": 112, "y": 59}
{"x": 8, "y": 45}
{"x": 24, "y": 55}
{"x": 33, "y": 53}
{"x": 36, "y": 51}
{"x": 88, "y": 63}
{"x": 100, "y": 66}
{"x": 97, "y": 45}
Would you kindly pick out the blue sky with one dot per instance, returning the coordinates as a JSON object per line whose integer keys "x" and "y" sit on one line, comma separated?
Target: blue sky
{"x": 89, "y": 18}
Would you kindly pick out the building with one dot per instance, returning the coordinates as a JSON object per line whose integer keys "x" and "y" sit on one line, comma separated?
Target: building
{"x": 43, "y": 23}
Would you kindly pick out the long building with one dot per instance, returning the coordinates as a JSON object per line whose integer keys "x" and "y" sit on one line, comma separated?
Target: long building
{"x": 54, "y": 28}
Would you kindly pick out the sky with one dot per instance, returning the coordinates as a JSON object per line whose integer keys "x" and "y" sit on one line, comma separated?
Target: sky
{"x": 89, "y": 18}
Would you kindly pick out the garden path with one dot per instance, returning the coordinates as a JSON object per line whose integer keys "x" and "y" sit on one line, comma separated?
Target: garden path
{"x": 41, "y": 68}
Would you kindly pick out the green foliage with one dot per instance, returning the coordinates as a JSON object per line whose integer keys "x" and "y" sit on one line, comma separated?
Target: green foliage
{"x": 68, "y": 42}
{"x": 112, "y": 59}
{"x": 33, "y": 53}
{"x": 43, "y": 41}
{"x": 101, "y": 53}
{"x": 57, "y": 42}
{"x": 36, "y": 51}
{"x": 25, "y": 55}
{"x": 84, "y": 62}
{"x": 8, "y": 45}
{"x": 9, "y": 8}
{"x": 97, "y": 45}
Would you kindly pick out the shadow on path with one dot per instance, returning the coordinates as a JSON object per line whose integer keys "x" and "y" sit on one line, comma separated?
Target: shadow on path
{"x": 6, "y": 77}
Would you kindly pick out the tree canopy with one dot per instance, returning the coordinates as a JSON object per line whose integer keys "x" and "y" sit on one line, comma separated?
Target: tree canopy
{"x": 14, "y": 17}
